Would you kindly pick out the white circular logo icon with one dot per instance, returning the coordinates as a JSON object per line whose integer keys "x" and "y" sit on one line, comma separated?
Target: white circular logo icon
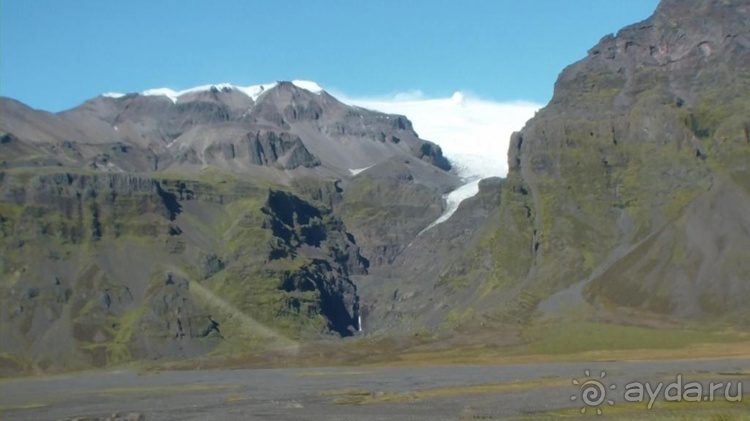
{"x": 593, "y": 392}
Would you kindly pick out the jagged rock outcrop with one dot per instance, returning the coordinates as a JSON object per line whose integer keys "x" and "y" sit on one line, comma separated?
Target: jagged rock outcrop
{"x": 285, "y": 149}
{"x": 304, "y": 232}
{"x": 279, "y": 150}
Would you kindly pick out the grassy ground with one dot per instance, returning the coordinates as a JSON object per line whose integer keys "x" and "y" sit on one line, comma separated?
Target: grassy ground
{"x": 571, "y": 342}
{"x": 549, "y": 342}
{"x": 586, "y": 341}
{"x": 482, "y": 355}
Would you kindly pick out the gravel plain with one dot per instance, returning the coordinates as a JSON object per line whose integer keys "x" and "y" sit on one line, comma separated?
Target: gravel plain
{"x": 339, "y": 393}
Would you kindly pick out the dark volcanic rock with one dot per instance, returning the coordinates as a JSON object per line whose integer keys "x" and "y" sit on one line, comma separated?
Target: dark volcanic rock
{"x": 304, "y": 231}
{"x": 432, "y": 153}
{"x": 285, "y": 149}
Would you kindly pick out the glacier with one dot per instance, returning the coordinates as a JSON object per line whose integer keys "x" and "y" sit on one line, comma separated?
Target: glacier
{"x": 473, "y": 133}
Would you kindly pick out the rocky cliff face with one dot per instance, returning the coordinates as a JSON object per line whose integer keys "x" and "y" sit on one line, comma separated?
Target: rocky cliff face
{"x": 114, "y": 267}
{"x": 626, "y": 197}
{"x": 650, "y": 124}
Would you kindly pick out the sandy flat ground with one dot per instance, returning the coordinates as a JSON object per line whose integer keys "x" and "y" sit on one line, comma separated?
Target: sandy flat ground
{"x": 340, "y": 393}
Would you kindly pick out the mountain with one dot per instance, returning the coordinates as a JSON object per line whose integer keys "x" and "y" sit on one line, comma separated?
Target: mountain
{"x": 218, "y": 126}
{"x": 226, "y": 221}
{"x": 218, "y": 219}
{"x": 627, "y": 195}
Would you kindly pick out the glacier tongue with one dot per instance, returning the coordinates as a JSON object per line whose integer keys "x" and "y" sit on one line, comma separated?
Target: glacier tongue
{"x": 474, "y": 134}
{"x": 453, "y": 200}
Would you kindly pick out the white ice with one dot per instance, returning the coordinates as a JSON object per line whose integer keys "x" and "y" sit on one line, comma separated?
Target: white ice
{"x": 454, "y": 199}
{"x": 474, "y": 134}
{"x": 356, "y": 171}
{"x": 308, "y": 85}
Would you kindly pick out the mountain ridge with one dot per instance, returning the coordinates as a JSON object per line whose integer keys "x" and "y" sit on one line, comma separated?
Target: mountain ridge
{"x": 252, "y": 91}
{"x": 151, "y": 125}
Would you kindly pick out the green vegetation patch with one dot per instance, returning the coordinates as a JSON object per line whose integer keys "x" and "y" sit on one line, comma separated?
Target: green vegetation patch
{"x": 576, "y": 337}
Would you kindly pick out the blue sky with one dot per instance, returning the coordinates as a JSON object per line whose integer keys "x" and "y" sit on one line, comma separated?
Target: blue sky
{"x": 56, "y": 54}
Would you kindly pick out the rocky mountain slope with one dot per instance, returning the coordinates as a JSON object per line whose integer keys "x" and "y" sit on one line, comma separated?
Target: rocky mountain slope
{"x": 221, "y": 128}
{"x": 148, "y": 226}
{"x": 627, "y": 195}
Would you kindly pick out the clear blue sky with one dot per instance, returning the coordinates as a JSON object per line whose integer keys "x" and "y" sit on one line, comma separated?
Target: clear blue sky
{"x": 55, "y": 54}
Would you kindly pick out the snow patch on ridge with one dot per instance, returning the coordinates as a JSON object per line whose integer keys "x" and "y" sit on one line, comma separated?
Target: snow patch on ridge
{"x": 175, "y": 95}
{"x": 308, "y": 85}
{"x": 253, "y": 91}
{"x": 169, "y": 93}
